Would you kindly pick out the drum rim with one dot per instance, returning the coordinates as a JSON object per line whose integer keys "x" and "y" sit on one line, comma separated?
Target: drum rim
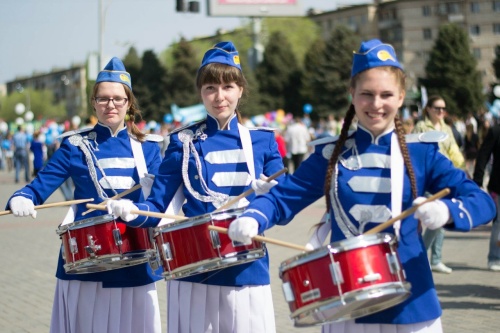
{"x": 83, "y": 223}
{"x": 336, "y": 247}
{"x": 196, "y": 220}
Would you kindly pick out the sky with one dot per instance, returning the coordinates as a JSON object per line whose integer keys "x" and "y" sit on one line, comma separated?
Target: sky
{"x": 38, "y": 36}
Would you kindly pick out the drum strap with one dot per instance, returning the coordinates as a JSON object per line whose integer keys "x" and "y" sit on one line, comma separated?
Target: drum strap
{"x": 397, "y": 179}
{"x": 140, "y": 163}
{"x": 246, "y": 143}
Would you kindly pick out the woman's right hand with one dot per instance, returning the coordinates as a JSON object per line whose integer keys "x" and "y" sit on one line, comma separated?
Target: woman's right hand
{"x": 122, "y": 209}
{"x": 21, "y": 206}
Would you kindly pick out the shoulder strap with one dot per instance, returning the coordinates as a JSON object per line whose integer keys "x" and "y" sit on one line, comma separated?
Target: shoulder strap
{"x": 246, "y": 142}
{"x": 140, "y": 163}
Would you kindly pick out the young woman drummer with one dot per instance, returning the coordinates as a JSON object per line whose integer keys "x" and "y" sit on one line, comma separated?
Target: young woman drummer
{"x": 357, "y": 172}
{"x": 214, "y": 161}
{"x": 102, "y": 161}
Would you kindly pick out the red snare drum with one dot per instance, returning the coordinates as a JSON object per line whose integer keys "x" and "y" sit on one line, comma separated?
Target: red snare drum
{"x": 344, "y": 280}
{"x": 188, "y": 247}
{"x": 100, "y": 243}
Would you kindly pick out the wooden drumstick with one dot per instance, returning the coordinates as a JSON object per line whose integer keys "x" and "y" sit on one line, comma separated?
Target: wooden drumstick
{"x": 263, "y": 239}
{"x": 248, "y": 192}
{"x": 143, "y": 212}
{"x": 118, "y": 196}
{"x": 54, "y": 204}
{"x": 406, "y": 213}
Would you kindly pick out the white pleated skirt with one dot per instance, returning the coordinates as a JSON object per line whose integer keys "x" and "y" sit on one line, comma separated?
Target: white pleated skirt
{"x": 349, "y": 326}
{"x": 87, "y": 307}
{"x": 200, "y": 308}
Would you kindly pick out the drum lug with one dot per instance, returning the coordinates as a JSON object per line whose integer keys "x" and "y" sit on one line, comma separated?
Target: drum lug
{"x": 288, "y": 292}
{"x": 118, "y": 237}
{"x": 336, "y": 273}
{"x": 167, "y": 252}
{"x": 72, "y": 245}
{"x": 393, "y": 262}
{"x": 92, "y": 248}
{"x": 214, "y": 236}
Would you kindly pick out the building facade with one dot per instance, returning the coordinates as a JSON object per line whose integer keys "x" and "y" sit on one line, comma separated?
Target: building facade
{"x": 412, "y": 26}
{"x": 68, "y": 86}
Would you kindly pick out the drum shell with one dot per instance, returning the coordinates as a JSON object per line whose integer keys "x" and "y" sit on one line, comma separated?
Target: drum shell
{"x": 364, "y": 264}
{"x": 193, "y": 249}
{"x": 110, "y": 255}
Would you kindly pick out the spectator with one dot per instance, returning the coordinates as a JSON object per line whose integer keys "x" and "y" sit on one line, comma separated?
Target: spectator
{"x": 21, "y": 156}
{"x": 297, "y": 137}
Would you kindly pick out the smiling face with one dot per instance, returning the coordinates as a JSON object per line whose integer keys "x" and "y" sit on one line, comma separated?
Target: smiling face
{"x": 221, "y": 100}
{"x": 108, "y": 113}
{"x": 377, "y": 94}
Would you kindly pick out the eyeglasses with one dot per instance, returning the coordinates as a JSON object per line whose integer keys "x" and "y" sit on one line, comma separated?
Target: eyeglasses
{"x": 117, "y": 101}
{"x": 439, "y": 109}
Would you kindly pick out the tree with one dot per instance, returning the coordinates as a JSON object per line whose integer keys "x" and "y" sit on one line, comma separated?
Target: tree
{"x": 330, "y": 76}
{"x": 181, "y": 81}
{"x": 151, "y": 88}
{"x": 279, "y": 76}
{"x": 132, "y": 63}
{"x": 451, "y": 72}
{"x": 42, "y": 105}
{"x": 496, "y": 62}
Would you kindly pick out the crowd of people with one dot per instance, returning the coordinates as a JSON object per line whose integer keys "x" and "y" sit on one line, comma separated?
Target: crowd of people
{"x": 369, "y": 165}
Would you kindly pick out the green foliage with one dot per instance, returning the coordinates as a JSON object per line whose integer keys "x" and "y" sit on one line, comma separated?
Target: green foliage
{"x": 41, "y": 101}
{"x": 496, "y": 62}
{"x": 181, "y": 80}
{"x": 279, "y": 76}
{"x": 151, "y": 88}
{"x": 451, "y": 72}
{"x": 330, "y": 73}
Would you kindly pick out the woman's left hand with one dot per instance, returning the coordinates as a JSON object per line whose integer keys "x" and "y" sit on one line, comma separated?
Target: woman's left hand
{"x": 432, "y": 214}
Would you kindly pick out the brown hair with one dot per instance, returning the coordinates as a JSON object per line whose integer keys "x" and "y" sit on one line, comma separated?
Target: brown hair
{"x": 134, "y": 113}
{"x": 218, "y": 73}
{"x": 430, "y": 103}
{"x": 400, "y": 76}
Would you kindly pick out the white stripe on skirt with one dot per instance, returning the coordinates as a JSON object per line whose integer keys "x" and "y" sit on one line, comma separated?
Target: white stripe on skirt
{"x": 197, "y": 308}
{"x": 349, "y": 326}
{"x": 87, "y": 307}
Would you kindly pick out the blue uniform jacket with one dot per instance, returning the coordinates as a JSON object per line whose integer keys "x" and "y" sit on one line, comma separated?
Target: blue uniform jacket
{"x": 116, "y": 159}
{"x": 363, "y": 199}
{"x": 224, "y": 171}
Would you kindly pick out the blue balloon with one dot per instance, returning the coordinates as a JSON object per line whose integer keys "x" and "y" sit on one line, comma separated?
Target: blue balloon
{"x": 168, "y": 118}
{"x": 307, "y": 108}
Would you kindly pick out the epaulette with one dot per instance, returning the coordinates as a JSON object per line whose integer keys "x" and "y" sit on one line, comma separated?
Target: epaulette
{"x": 327, "y": 139}
{"x": 269, "y": 129}
{"x": 73, "y": 132}
{"x": 154, "y": 137}
{"x": 186, "y": 126}
{"x": 428, "y": 137}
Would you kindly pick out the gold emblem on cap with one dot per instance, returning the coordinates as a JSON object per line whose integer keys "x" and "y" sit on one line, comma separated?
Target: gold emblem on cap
{"x": 124, "y": 77}
{"x": 236, "y": 59}
{"x": 384, "y": 55}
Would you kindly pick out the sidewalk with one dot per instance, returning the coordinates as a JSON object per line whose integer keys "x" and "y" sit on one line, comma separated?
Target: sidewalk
{"x": 470, "y": 296}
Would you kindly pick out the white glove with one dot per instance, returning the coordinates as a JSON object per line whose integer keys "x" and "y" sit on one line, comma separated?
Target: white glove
{"x": 21, "y": 206}
{"x": 433, "y": 214}
{"x": 121, "y": 208}
{"x": 243, "y": 229}
{"x": 147, "y": 180}
{"x": 261, "y": 186}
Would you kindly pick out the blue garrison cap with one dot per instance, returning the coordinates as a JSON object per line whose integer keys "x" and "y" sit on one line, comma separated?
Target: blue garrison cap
{"x": 374, "y": 53}
{"x": 115, "y": 72}
{"x": 222, "y": 53}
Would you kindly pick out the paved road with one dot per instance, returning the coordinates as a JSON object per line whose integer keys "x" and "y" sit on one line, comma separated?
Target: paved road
{"x": 470, "y": 296}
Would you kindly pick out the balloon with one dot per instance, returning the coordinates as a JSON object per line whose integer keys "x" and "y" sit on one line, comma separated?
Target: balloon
{"x": 4, "y": 127}
{"x": 307, "y": 108}
{"x": 168, "y": 118}
{"x": 28, "y": 116}
{"x": 76, "y": 121}
{"x": 19, "y": 121}
{"x": 496, "y": 91}
{"x": 20, "y": 108}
